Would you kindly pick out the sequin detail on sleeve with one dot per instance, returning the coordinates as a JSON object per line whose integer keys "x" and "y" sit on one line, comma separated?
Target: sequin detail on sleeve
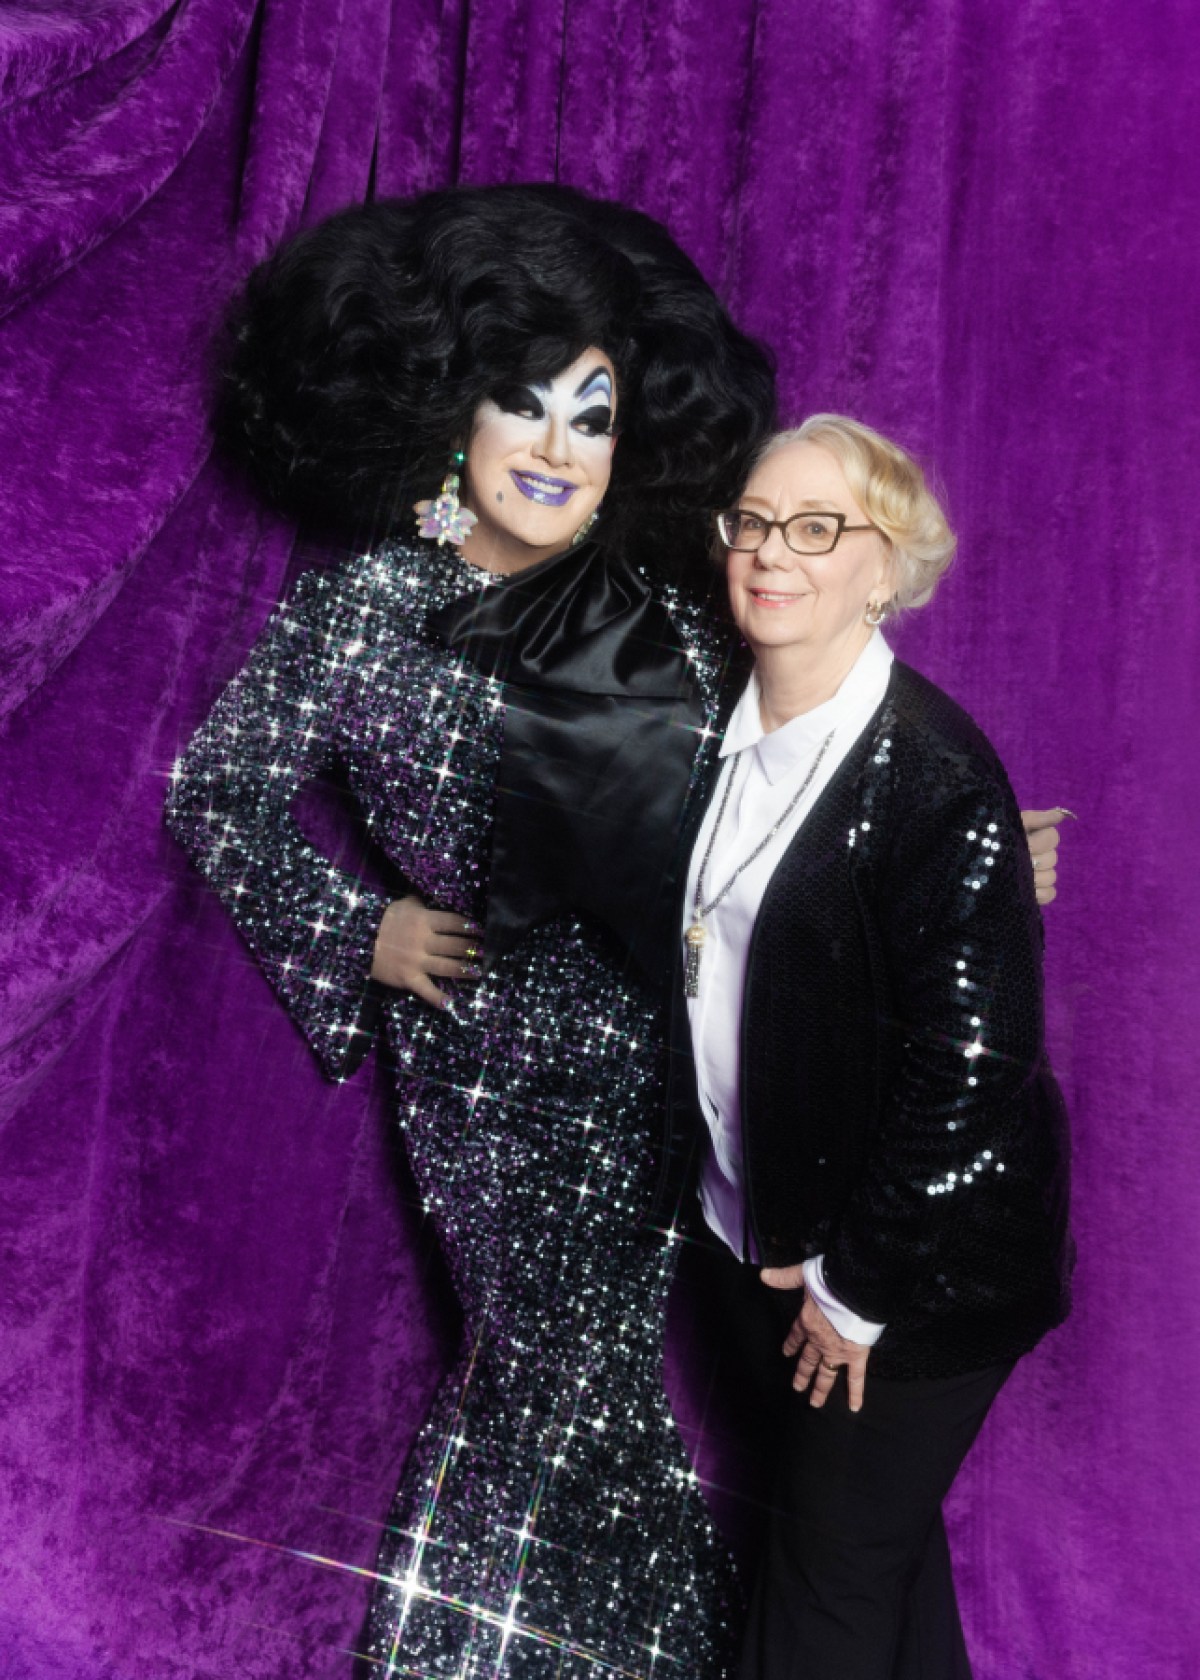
{"x": 311, "y": 925}
{"x": 958, "y": 897}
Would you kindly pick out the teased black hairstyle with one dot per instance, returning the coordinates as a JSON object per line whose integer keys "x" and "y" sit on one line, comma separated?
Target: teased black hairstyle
{"x": 364, "y": 346}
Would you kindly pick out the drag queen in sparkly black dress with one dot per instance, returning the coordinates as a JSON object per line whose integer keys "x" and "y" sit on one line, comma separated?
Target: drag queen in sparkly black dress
{"x": 520, "y": 715}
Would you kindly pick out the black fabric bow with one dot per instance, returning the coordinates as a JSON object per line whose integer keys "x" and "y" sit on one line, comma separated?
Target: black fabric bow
{"x": 601, "y": 730}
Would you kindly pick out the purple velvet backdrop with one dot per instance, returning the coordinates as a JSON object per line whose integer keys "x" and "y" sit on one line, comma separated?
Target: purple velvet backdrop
{"x": 974, "y": 224}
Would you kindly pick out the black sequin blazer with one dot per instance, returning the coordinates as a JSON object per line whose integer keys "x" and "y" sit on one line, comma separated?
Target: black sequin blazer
{"x": 898, "y": 1112}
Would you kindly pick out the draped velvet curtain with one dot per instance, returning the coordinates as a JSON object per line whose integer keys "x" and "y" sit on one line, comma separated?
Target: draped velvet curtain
{"x": 972, "y": 224}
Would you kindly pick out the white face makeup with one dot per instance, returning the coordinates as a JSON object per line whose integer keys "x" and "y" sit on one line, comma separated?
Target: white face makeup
{"x": 538, "y": 464}
{"x": 813, "y": 602}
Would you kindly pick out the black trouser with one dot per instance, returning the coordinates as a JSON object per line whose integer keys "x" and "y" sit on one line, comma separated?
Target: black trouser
{"x": 853, "y": 1578}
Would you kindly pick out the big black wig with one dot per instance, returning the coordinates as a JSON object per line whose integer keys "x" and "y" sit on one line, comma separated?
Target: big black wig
{"x": 364, "y": 346}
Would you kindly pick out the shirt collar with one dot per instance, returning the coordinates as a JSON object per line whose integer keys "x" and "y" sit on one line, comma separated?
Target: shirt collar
{"x": 783, "y": 749}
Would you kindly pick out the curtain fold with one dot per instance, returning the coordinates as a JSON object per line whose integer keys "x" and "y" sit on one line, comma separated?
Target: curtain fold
{"x": 973, "y": 226}
{"x": 92, "y": 156}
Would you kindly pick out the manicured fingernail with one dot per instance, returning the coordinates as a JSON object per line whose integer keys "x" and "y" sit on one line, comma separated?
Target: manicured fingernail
{"x": 1063, "y": 812}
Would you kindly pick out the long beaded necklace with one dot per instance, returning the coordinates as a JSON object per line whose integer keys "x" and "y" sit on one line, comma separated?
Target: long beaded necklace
{"x": 697, "y": 933}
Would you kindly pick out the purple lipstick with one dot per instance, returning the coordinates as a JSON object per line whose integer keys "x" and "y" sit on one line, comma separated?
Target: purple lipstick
{"x": 550, "y": 492}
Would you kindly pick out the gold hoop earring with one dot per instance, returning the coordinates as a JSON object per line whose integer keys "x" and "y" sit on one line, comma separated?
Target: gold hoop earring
{"x": 585, "y": 530}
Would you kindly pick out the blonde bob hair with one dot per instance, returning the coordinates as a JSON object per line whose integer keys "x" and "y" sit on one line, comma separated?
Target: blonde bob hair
{"x": 891, "y": 489}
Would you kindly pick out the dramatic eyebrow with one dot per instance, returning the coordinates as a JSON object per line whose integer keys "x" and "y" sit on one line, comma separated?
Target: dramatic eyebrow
{"x": 597, "y": 376}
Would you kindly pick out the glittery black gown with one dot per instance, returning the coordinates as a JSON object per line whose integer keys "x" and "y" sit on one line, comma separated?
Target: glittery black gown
{"x": 548, "y": 1522}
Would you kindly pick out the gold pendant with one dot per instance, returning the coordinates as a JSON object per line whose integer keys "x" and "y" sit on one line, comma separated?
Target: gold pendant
{"x": 694, "y": 937}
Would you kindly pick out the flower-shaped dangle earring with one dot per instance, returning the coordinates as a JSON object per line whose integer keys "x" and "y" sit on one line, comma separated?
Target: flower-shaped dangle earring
{"x": 446, "y": 519}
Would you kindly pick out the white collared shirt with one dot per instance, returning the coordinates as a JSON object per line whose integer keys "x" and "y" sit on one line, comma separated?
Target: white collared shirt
{"x": 770, "y": 769}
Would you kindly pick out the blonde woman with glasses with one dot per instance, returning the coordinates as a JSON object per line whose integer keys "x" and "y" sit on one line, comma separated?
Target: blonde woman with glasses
{"x": 859, "y": 1046}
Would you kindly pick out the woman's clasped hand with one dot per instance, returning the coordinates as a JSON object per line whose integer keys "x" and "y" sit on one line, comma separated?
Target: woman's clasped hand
{"x": 820, "y": 1353}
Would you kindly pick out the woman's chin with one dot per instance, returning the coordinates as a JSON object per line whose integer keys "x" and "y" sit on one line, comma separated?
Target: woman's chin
{"x": 775, "y": 630}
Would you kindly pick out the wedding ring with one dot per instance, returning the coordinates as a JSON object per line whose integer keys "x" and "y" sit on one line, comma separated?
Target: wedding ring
{"x": 826, "y": 1366}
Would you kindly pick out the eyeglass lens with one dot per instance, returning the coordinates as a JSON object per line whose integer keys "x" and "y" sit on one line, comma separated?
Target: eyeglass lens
{"x": 804, "y": 533}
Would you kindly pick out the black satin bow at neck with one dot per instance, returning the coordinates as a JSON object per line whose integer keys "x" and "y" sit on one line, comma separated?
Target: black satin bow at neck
{"x": 601, "y": 729}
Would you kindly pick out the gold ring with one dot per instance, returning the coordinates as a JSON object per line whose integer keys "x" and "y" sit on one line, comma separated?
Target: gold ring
{"x": 826, "y": 1366}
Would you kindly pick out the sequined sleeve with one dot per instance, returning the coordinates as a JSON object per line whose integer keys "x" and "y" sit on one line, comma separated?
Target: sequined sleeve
{"x": 311, "y": 925}
{"x": 961, "y": 937}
